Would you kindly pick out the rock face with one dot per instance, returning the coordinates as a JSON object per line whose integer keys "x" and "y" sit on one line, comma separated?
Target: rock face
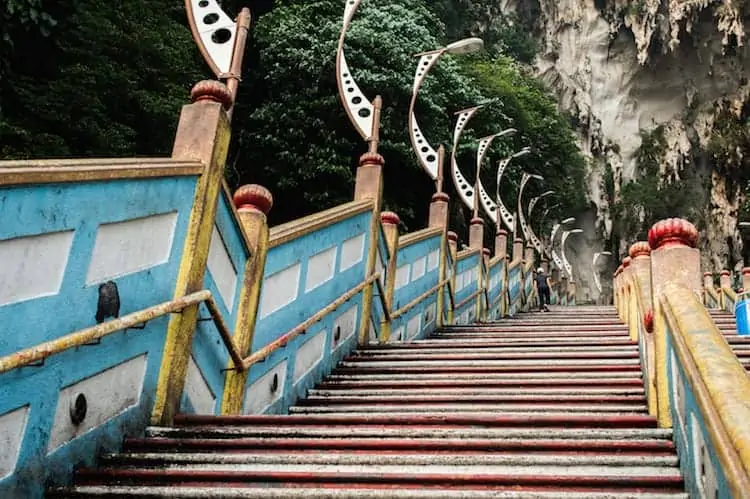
{"x": 625, "y": 67}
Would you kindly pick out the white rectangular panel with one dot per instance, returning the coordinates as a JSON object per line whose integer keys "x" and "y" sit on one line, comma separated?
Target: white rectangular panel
{"x": 279, "y": 290}
{"x": 123, "y": 248}
{"x": 107, "y": 393}
{"x": 320, "y": 268}
{"x": 33, "y": 266}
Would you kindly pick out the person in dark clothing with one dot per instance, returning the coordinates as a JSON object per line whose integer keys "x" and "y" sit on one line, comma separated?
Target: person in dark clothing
{"x": 542, "y": 289}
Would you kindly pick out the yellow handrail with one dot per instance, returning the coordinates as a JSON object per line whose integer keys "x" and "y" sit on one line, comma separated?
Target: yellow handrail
{"x": 301, "y": 328}
{"x": 718, "y": 380}
{"x": 79, "y": 338}
{"x": 468, "y": 299}
{"x": 401, "y": 311}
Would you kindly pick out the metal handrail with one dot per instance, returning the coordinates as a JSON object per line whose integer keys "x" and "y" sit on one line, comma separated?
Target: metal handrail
{"x": 83, "y": 337}
{"x": 468, "y": 299}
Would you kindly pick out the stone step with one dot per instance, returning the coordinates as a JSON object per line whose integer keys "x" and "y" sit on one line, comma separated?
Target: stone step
{"x": 500, "y": 407}
{"x": 488, "y": 420}
{"x": 516, "y": 398}
{"x": 636, "y": 479}
{"x": 362, "y": 492}
{"x": 431, "y": 349}
{"x": 494, "y": 459}
{"x": 412, "y": 432}
{"x": 481, "y": 391}
{"x": 419, "y": 356}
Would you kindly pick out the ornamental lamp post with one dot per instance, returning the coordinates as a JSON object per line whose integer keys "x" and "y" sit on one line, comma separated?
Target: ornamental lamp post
{"x": 566, "y": 263}
{"x": 505, "y": 215}
{"x": 555, "y": 228}
{"x": 220, "y": 40}
{"x": 431, "y": 160}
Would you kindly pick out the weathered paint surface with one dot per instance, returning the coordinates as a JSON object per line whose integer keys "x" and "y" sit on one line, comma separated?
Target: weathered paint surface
{"x": 80, "y": 209}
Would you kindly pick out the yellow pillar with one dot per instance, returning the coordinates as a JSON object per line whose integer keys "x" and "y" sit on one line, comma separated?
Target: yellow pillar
{"x": 640, "y": 253}
{"x": 476, "y": 241}
{"x": 453, "y": 248}
{"x": 203, "y": 134}
{"x": 253, "y": 202}
{"x": 369, "y": 185}
{"x": 439, "y": 218}
{"x": 390, "y": 223}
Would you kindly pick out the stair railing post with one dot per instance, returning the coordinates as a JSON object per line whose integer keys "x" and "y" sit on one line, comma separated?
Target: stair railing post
{"x": 439, "y": 218}
{"x": 675, "y": 260}
{"x": 390, "y": 221}
{"x": 203, "y": 134}
{"x": 627, "y": 294}
{"x": 725, "y": 281}
{"x": 708, "y": 283}
{"x": 453, "y": 248}
{"x": 640, "y": 253}
{"x": 618, "y": 293}
{"x": 485, "y": 284}
{"x": 501, "y": 251}
{"x": 368, "y": 184}
{"x": 253, "y": 202}
{"x": 563, "y": 290}
{"x": 476, "y": 242}
{"x": 746, "y": 278}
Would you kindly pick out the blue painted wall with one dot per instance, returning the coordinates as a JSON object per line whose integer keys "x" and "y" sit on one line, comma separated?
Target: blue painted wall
{"x": 689, "y": 429}
{"x": 82, "y": 207}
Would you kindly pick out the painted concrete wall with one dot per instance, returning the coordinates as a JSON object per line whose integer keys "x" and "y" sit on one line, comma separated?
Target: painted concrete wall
{"x": 58, "y": 243}
{"x": 699, "y": 462}
{"x": 467, "y": 274}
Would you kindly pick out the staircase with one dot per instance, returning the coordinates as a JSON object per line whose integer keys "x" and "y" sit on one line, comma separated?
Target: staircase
{"x": 545, "y": 405}
{"x": 728, "y": 327}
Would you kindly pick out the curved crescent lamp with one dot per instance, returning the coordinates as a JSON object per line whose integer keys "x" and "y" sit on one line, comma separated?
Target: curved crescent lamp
{"x": 489, "y": 207}
{"x": 535, "y": 200}
{"x": 358, "y": 107}
{"x": 597, "y": 282}
{"x": 528, "y": 234}
{"x": 555, "y": 228}
{"x": 507, "y": 218}
{"x": 427, "y": 155}
{"x": 566, "y": 263}
{"x": 214, "y": 32}
{"x": 464, "y": 188}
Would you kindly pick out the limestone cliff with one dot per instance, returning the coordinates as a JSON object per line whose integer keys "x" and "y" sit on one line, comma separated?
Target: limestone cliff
{"x": 624, "y": 68}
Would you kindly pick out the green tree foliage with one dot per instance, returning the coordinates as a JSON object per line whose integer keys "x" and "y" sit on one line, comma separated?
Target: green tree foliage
{"x": 88, "y": 80}
{"x": 106, "y": 81}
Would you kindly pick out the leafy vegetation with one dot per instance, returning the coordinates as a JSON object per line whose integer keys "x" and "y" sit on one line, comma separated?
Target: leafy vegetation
{"x": 82, "y": 80}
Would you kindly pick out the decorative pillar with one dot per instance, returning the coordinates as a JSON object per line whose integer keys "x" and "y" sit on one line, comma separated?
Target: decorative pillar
{"x": 746, "y": 279}
{"x": 708, "y": 283}
{"x": 501, "y": 243}
{"x": 203, "y": 134}
{"x": 390, "y": 222}
{"x": 253, "y": 202}
{"x": 616, "y": 291}
{"x": 476, "y": 233}
{"x": 725, "y": 279}
{"x": 517, "y": 249}
{"x": 453, "y": 248}
{"x": 439, "y": 218}
{"x": 369, "y": 185}
{"x": 572, "y": 291}
{"x": 640, "y": 253}
{"x": 627, "y": 292}
{"x": 530, "y": 256}
{"x": 674, "y": 261}
{"x": 545, "y": 265}
{"x": 439, "y": 210}
{"x": 563, "y": 290}
{"x": 485, "y": 284}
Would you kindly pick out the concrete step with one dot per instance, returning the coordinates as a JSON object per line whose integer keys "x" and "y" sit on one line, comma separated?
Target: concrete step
{"x": 490, "y": 420}
{"x": 481, "y": 391}
{"x": 500, "y": 407}
{"x": 391, "y": 477}
{"x": 315, "y": 492}
{"x": 482, "y": 398}
{"x": 432, "y": 349}
{"x": 412, "y": 432}
{"x": 503, "y": 342}
{"x": 494, "y": 459}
